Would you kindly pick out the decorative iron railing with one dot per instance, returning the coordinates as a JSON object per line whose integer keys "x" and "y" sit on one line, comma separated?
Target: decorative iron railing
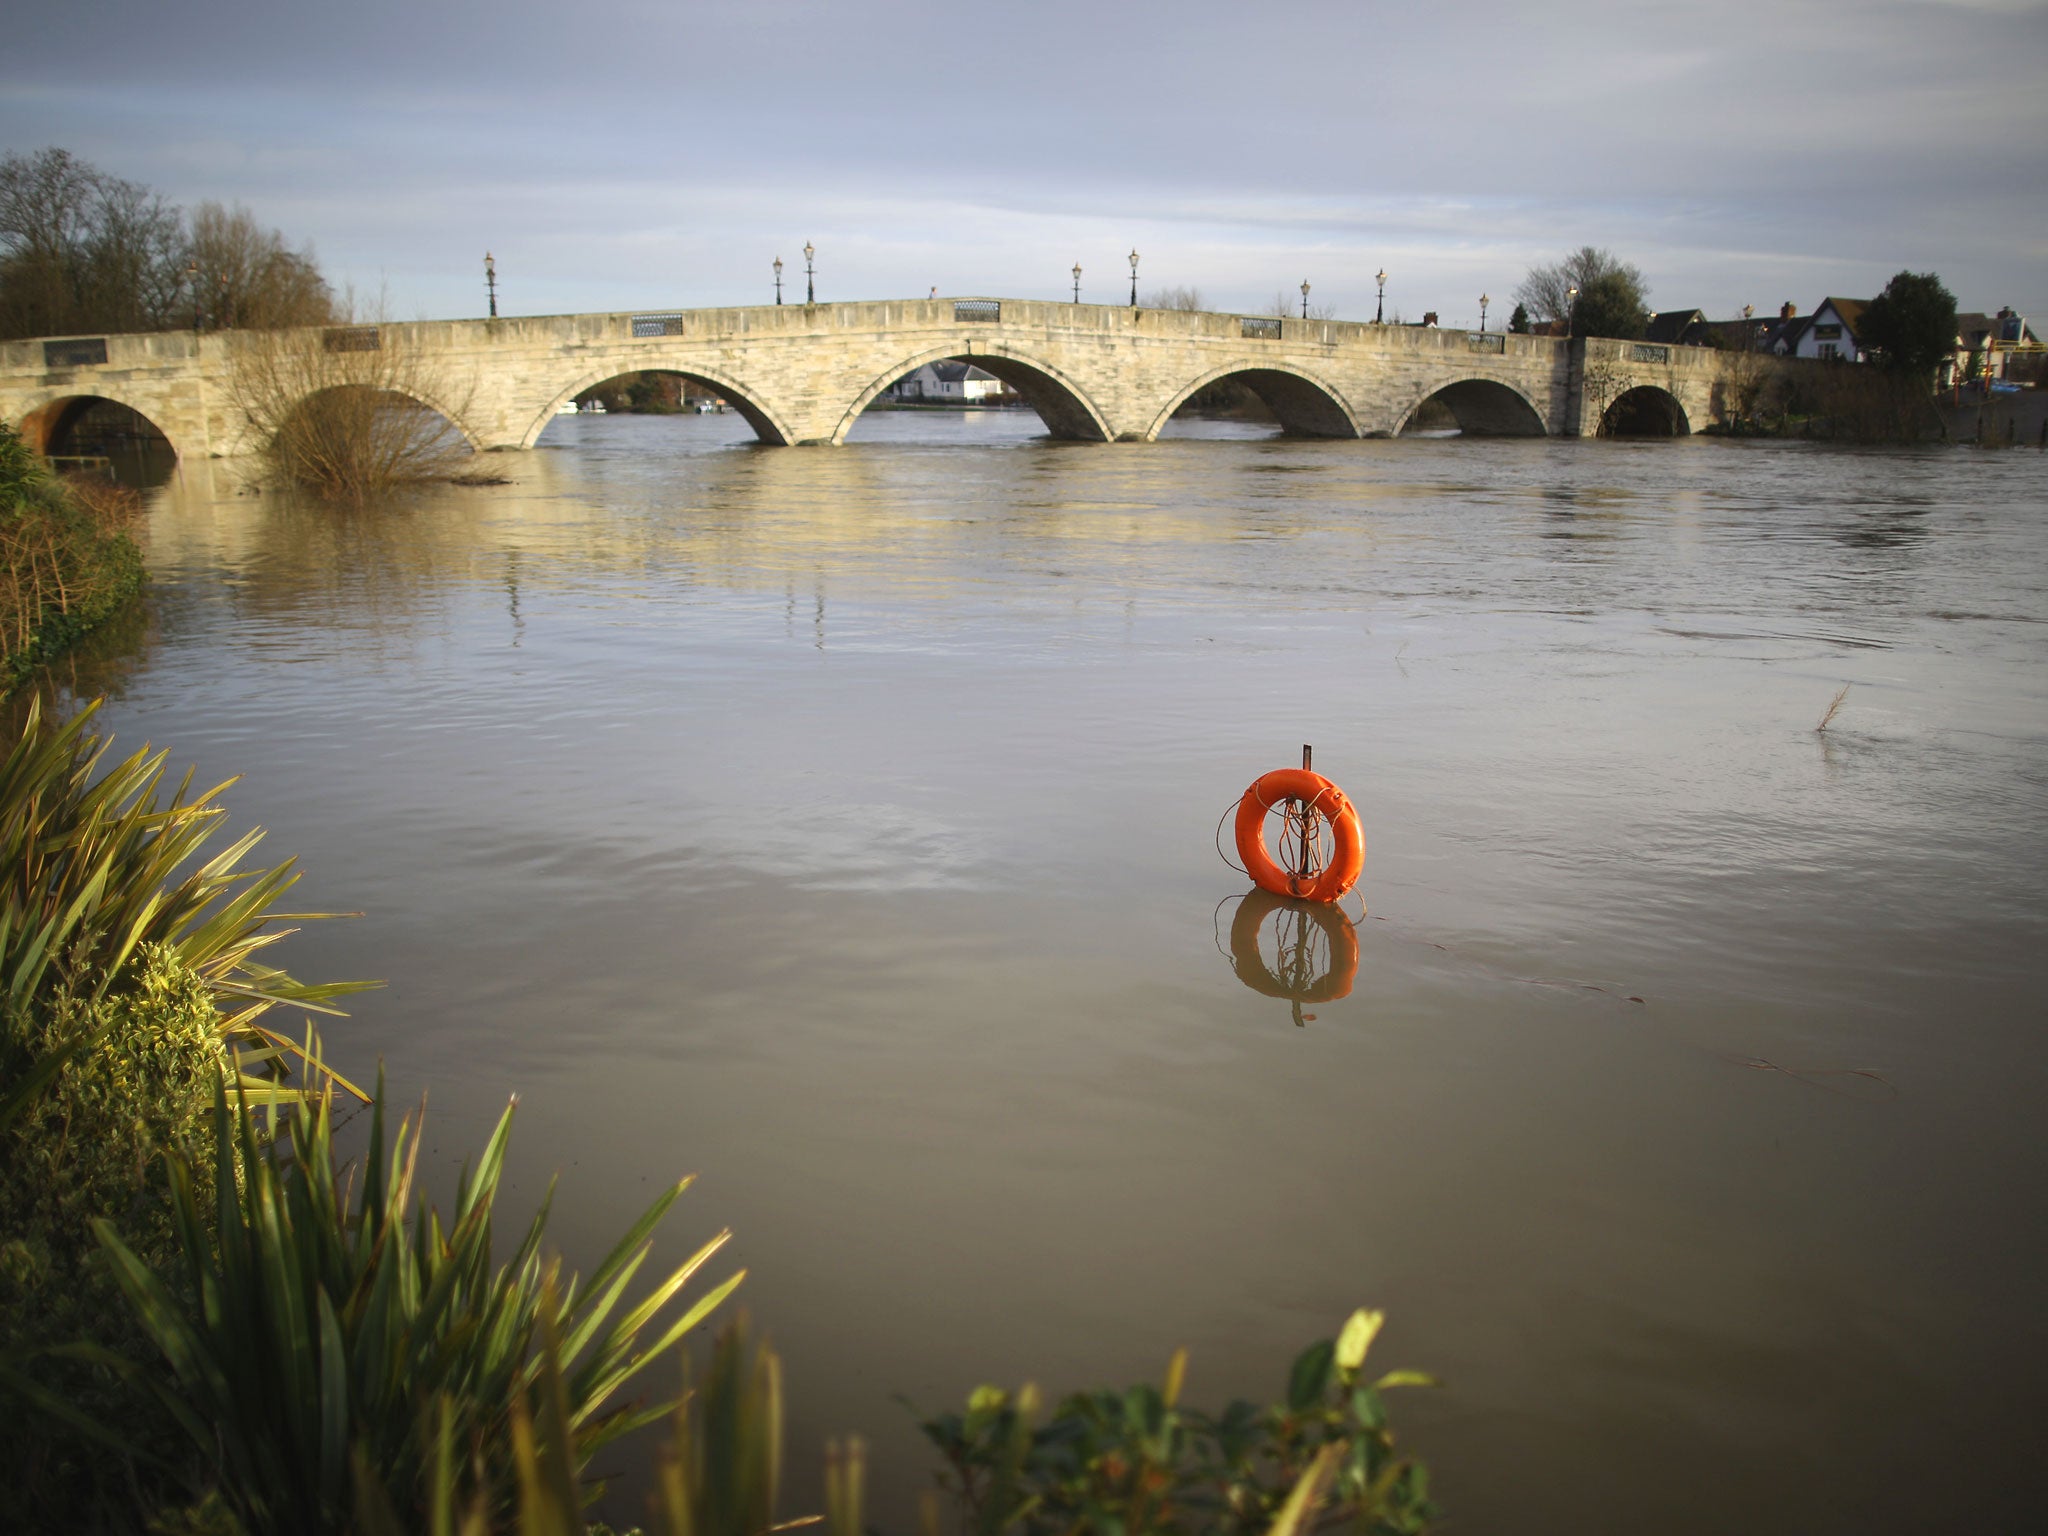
{"x": 1643, "y": 353}
{"x": 1486, "y": 341}
{"x": 1258, "y": 328}
{"x": 977, "y": 309}
{"x": 670, "y": 324}
{"x": 351, "y": 338}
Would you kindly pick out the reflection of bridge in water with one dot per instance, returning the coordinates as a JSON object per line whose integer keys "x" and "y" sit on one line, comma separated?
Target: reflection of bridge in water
{"x": 803, "y": 373}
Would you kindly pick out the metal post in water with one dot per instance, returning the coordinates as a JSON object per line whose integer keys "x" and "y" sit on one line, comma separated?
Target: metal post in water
{"x": 1307, "y": 752}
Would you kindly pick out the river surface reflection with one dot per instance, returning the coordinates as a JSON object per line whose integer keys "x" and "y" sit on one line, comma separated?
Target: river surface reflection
{"x": 838, "y": 825}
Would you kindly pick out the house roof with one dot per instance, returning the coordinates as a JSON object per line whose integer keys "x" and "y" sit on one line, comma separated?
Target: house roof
{"x": 1851, "y": 311}
{"x": 1674, "y": 325}
{"x": 1973, "y": 329}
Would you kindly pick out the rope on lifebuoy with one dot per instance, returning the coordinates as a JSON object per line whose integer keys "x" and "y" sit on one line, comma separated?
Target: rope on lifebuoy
{"x": 1310, "y": 804}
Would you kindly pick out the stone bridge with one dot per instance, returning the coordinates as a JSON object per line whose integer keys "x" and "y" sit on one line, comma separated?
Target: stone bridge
{"x": 803, "y": 373}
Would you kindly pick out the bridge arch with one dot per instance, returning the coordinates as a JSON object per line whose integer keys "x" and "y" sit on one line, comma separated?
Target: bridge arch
{"x": 768, "y": 425}
{"x": 1303, "y": 404}
{"x": 1644, "y": 411}
{"x": 1482, "y": 407}
{"x": 46, "y": 427}
{"x": 1061, "y": 404}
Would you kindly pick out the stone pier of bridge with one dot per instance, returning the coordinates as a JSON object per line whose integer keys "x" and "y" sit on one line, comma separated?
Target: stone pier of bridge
{"x": 801, "y": 374}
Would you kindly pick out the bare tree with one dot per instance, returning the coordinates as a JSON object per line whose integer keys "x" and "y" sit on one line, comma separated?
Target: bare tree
{"x": 1288, "y": 307}
{"x": 1174, "y": 298}
{"x": 350, "y": 412}
{"x": 1547, "y": 291}
{"x": 83, "y": 250}
{"x": 249, "y": 279}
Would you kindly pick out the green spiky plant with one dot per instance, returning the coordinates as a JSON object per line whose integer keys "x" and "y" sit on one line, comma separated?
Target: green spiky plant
{"x": 336, "y": 1352}
{"x": 93, "y": 870}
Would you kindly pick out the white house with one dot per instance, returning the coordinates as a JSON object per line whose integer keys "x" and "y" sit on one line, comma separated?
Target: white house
{"x": 958, "y": 382}
{"x": 1829, "y": 333}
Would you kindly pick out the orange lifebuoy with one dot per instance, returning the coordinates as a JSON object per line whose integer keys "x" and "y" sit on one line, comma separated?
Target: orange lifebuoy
{"x": 1315, "y": 795}
{"x": 1250, "y": 963}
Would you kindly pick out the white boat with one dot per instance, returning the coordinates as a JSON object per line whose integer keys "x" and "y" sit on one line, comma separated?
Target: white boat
{"x": 566, "y": 408}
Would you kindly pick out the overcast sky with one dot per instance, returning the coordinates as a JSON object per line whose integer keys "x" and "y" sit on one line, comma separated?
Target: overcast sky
{"x": 626, "y": 154}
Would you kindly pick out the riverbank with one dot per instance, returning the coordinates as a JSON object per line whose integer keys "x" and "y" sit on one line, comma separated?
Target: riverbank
{"x": 66, "y": 563}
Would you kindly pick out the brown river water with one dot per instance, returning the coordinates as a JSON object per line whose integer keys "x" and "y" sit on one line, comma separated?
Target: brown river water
{"x": 839, "y": 825}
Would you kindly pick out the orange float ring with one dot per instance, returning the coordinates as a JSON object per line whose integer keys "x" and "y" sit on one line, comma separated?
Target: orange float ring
{"x": 1251, "y": 966}
{"x": 1325, "y": 800}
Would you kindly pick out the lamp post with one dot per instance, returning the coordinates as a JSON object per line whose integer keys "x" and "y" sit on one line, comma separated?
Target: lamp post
{"x": 1483, "y": 302}
{"x": 778, "y": 279}
{"x": 1571, "y": 310}
{"x": 1134, "y": 277}
{"x": 1077, "y": 282}
{"x": 810, "y": 276}
{"x": 1379, "y": 314}
{"x": 192, "y": 281}
{"x": 491, "y": 282}
{"x": 1304, "y": 298}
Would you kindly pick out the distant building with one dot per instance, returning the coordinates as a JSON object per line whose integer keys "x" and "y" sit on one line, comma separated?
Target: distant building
{"x": 1995, "y": 347}
{"x": 1830, "y": 335}
{"x": 1678, "y": 327}
{"x": 958, "y": 382}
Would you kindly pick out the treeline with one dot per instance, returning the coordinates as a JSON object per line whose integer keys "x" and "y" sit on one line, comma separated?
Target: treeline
{"x": 83, "y": 250}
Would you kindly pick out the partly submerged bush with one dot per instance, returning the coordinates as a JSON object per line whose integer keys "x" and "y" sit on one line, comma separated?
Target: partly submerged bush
{"x": 1119, "y": 1463}
{"x": 345, "y": 413}
{"x": 1130, "y": 1463}
{"x": 65, "y": 563}
{"x": 336, "y": 1353}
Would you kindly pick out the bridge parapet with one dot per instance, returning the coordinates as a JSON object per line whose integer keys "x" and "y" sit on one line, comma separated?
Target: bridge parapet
{"x": 803, "y": 372}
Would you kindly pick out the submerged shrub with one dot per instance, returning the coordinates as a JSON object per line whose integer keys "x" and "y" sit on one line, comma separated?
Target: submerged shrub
{"x": 1120, "y": 1463}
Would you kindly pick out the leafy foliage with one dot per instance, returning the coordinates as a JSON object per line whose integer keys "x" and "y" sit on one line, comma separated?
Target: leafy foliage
{"x": 65, "y": 563}
{"x": 1611, "y": 296}
{"x": 1911, "y": 324}
{"x": 99, "y": 1089}
{"x": 1121, "y": 1463}
{"x": 336, "y": 1352}
{"x": 1518, "y": 322}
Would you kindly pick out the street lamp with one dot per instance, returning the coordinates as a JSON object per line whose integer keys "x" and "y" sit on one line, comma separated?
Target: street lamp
{"x": 1483, "y": 302}
{"x": 1304, "y": 298}
{"x": 1571, "y": 309}
{"x": 1077, "y": 282}
{"x": 810, "y": 276}
{"x": 778, "y": 279}
{"x": 491, "y": 282}
{"x": 1379, "y": 314}
{"x": 1134, "y": 277}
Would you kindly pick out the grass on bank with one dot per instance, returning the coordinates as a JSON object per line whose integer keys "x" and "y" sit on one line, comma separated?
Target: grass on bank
{"x": 66, "y": 561}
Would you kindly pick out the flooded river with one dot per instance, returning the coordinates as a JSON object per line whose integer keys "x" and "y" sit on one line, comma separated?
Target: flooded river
{"x": 839, "y": 825}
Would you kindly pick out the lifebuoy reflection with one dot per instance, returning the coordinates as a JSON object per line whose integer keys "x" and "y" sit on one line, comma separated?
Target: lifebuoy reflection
{"x": 1303, "y": 951}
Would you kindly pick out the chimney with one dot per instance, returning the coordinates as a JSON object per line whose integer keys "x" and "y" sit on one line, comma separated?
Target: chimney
{"x": 1429, "y": 317}
{"x": 1787, "y": 310}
